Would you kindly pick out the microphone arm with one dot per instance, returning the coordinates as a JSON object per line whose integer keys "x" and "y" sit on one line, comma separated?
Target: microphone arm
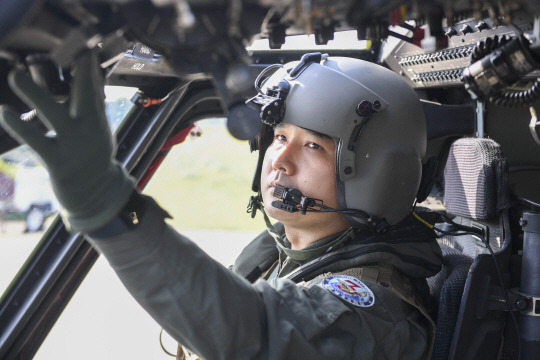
{"x": 293, "y": 200}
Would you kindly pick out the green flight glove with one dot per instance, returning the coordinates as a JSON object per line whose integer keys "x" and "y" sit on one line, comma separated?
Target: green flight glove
{"x": 89, "y": 183}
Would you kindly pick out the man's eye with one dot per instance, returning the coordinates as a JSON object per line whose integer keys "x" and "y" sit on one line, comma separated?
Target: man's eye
{"x": 314, "y": 146}
{"x": 279, "y": 137}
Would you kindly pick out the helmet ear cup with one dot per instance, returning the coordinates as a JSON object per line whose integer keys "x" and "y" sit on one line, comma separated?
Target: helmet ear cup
{"x": 390, "y": 150}
{"x": 385, "y": 187}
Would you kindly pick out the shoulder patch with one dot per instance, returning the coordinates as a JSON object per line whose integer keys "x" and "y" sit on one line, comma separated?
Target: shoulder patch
{"x": 349, "y": 289}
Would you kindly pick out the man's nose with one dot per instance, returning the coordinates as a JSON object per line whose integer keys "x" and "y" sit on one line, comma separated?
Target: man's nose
{"x": 284, "y": 160}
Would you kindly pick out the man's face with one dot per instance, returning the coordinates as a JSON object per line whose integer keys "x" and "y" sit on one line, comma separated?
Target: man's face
{"x": 304, "y": 160}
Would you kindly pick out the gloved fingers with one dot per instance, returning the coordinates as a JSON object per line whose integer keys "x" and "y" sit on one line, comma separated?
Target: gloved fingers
{"x": 52, "y": 114}
{"x": 87, "y": 94}
{"x": 24, "y": 132}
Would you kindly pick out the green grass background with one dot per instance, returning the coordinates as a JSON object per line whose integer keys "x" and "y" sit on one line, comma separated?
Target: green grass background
{"x": 205, "y": 182}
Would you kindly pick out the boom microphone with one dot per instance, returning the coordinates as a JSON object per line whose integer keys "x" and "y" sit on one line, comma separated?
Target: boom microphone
{"x": 292, "y": 200}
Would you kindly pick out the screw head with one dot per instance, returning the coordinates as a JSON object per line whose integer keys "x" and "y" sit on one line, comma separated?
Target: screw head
{"x": 364, "y": 108}
{"x": 348, "y": 170}
{"x": 521, "y": 304}
{"x": 376, "y": 104}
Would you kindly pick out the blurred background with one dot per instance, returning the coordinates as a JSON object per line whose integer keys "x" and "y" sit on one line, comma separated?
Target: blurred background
{"x": 204, "y": 183}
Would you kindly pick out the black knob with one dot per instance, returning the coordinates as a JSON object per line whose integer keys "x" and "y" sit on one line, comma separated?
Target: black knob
{"x": 521, "y": 304}
{"x": 482, "y": 25}
{"x": 466, "y": 29}
{"x": 450, "y": 32}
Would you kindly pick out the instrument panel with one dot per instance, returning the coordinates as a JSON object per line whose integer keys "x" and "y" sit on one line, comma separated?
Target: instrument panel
{"x": 444, "y": 67}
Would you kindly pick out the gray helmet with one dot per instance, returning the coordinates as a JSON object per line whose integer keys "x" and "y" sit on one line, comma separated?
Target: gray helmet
{"x": 373, "y": 115}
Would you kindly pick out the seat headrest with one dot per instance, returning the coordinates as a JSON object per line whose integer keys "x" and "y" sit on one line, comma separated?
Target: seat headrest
{"x": 476, "y": 179}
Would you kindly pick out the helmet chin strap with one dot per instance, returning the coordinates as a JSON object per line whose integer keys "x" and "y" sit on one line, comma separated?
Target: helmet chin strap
{"x": 292, "y": 200}
{"x": 256, "y": 203}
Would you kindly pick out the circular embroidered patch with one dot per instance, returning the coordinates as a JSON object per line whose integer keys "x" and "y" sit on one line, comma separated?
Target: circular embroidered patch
{"x": 350, "y": 289}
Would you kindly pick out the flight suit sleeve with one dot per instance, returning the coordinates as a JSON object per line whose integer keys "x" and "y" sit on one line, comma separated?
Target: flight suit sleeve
{"x": 219, "y": 315}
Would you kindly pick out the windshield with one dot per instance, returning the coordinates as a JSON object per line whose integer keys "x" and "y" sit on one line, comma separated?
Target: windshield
{"x": 205, "y": 184}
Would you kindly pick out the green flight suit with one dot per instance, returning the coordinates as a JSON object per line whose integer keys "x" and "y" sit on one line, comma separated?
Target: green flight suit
{"x": 220, "y": 315}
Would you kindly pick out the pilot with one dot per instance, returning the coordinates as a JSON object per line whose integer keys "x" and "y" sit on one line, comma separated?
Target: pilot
{"x": 342, "y": 275}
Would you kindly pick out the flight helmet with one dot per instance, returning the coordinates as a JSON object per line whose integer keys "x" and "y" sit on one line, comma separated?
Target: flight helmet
{"x": 373, "y": 115}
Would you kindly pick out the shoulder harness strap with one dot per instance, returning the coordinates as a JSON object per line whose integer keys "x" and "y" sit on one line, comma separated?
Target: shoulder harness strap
{"x": 392, "y": 279}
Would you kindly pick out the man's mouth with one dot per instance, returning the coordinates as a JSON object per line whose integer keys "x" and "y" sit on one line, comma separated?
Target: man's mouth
{"x": 273, "y": 184}
{"x": 278, "y": 180}
{"x": 272, "y": 188}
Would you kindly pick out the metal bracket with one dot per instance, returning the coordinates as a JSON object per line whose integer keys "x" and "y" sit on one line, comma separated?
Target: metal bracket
{"x": 496, "y": 300}
{"x": 480, "y": 112}
{"x": 533, "y": 308}
{"x": 533, "y": 124}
